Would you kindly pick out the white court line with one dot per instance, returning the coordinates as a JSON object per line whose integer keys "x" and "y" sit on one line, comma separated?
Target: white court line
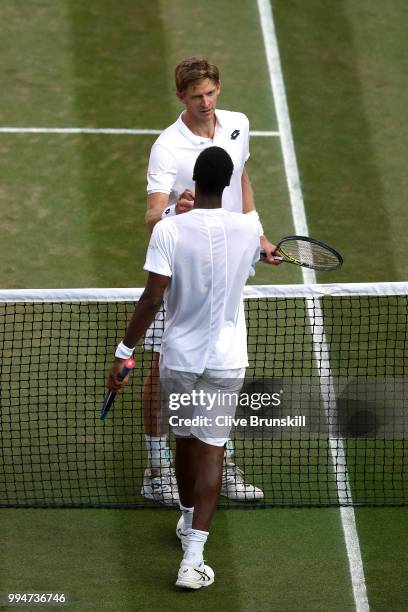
{"x": 315, "y": 314}
{"x": 85, "y": 130}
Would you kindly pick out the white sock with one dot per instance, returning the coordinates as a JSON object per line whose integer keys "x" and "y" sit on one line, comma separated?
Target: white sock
{"x": 158, "y": 453}
{"x": 195, "y": 542}
{"x": 229, "y": 452}
{"x": 187, "y": 516}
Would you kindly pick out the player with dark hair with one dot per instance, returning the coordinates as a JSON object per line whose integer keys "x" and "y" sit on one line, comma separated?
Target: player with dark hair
{"x": 171, "y": 192}
{"x": 210, "y": 171}
{"x": 200, "y": 263}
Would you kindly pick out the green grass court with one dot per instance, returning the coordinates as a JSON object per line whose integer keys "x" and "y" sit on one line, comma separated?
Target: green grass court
{"x": 73, "y": 216}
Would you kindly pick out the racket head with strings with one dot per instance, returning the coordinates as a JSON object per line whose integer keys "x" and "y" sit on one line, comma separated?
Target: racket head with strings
{"x": 309, "y": 253}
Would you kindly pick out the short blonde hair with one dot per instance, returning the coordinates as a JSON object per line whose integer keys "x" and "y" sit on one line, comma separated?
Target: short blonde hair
{"x": 194, "y": 69}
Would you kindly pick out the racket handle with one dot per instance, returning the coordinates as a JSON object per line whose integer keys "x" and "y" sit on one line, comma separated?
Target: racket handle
{"x": 277, "y": 257}
{"x": 110, "y": 396}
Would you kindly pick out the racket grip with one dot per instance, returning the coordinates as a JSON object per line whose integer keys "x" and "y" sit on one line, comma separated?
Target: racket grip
{"x": 110, "y": 396}
{"x": 263, "y": 256}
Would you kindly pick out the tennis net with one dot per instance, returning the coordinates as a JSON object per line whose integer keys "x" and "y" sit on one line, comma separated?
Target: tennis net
{"x": 335, "y": 356}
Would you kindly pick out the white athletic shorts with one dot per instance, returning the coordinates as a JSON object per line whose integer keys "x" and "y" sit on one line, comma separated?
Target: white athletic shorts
{"x": 201, "y": 405}
{"x": 154, "y": 333}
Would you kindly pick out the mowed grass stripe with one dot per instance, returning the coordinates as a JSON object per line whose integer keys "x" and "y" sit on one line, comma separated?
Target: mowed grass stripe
{"x": 350, "y": 145}
{"x": 47, "y": 239}
{"x": 336, "y": 123}
{"x": 100, "y": 61}
{"x": 383, "y": 539}
{"x": 72, "y": 211}
{"x": 113, "y": 559}
{"x": 36, "y": 68}
{"x": 319, "y": 340}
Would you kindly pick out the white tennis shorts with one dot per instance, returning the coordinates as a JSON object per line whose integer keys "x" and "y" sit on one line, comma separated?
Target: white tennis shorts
{"x": 154, "y": 333}
{"x": 201, "y": 405}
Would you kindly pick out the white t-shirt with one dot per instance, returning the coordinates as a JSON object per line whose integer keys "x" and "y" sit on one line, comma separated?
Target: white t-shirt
{"x": 209, "y": 254}
{"x": 174, "y": 154}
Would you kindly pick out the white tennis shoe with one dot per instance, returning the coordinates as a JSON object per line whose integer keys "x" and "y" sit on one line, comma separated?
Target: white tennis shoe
{"x": 182, "y": 535}
{"x": 194, "y": 577}
{"x": 161, "y": 485}
{"x": 234, "y": 486}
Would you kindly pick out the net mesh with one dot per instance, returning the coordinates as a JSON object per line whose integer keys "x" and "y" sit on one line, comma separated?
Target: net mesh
{"x": 337, "y": 356}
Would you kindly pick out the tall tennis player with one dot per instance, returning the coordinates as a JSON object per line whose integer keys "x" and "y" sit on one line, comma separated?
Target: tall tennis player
{"x": 199, "y": 262}
{"x": 171, "y": 192}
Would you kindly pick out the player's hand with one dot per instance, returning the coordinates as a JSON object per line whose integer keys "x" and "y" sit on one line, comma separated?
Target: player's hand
{"x": 185, "y": 202}
{"x": 270, "y": 254}
{"x": 113, "y": 383}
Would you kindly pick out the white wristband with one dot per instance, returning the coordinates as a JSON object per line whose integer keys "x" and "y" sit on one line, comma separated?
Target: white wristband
{"x": 123, "y": 351}
{"x": 169, "y": 211}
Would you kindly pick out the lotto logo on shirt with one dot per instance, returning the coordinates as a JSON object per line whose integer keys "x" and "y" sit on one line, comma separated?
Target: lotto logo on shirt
{"x": 235, "y": 134}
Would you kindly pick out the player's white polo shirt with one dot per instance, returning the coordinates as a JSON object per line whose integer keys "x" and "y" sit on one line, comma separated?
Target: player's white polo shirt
{"x": 174, "y": 154}
{"x": 209, "y": 254}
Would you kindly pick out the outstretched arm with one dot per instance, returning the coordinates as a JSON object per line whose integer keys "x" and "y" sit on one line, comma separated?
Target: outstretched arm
{"x": 144, "y": 313}
{"x": 157, "y": 203}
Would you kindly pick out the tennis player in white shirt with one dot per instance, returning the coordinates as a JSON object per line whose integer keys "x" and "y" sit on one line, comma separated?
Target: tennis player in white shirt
{"x": 170, "y": 192}
{"x": 198, "y": 263}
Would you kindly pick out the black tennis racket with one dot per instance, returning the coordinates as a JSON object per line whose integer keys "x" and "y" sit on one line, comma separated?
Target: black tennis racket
{"x": 307, "y": 252}
{"x": 110, "y": 397}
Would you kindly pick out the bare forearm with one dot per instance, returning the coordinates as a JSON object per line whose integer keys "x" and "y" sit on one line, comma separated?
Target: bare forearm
{"x": 248, "y": 203}
{"x": 152, "y": 216}
{"x": 156, "y": 203}
{"x": 143, "y": 315}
